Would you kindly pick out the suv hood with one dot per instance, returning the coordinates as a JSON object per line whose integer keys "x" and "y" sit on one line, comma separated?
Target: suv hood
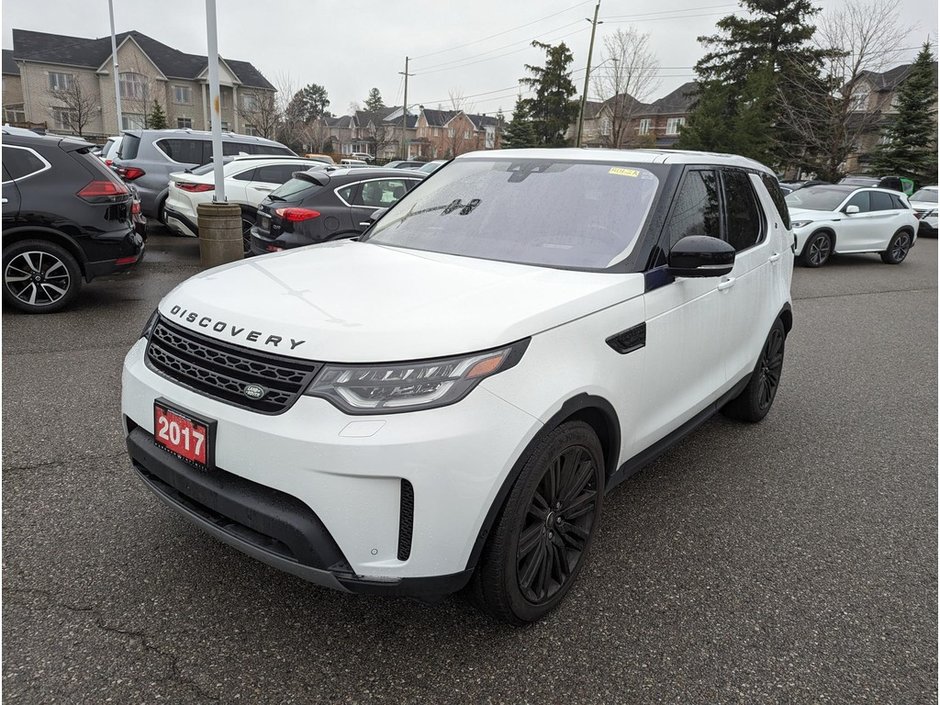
{"x": 349, "y": 301}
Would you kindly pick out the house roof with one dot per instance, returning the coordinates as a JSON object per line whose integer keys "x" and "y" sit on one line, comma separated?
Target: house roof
{"x": 9, "y": 65}
{"x": 889, "y": 80}
{"x": 92, "y": 53}
{"x": 679, "y": 101}
{"x": 439, "y": 118}
{"x": 592, "y": 108}
{"x": 481, "y": 122}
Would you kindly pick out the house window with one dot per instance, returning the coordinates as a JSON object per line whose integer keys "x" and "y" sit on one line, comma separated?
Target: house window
{"x": 184, "y": 123}
{"x": 14, "y": 113}
{"x": 466, "y": 134}
{"x": 673, "y": 125}
{"x": 225, "y": 126}
{"x": 60, "y": 81}
{"x": 183, "y": 95}
{"x": 133, "y": 86}
{"x": 252, "y": 130}
{"x": 646, "y": 125}
{"x": 63, "y": 118}
{"x": 605, "y": 126}
{"x": 860, "y": 98}
{"x": 226, "y": 98}
{"x": 249, "y": 102}
{"x": 132, "y": 121}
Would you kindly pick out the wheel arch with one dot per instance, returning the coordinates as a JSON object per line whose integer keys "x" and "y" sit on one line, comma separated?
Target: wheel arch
{"x": 786, "y": 317}
{"x": 38, "y": 232}
{"x": 596, "y": 412}
{"x": 824, "y": 229}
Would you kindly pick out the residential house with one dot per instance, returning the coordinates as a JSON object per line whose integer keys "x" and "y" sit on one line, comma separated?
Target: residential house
{"x": 378, "y": 133}
{"x": 43, "y": 74}
{"x": 447, "y": 133}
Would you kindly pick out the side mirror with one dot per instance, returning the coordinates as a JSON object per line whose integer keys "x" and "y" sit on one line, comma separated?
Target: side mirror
{"x": 701, "y": 256}
{"x": 851, "y": 210}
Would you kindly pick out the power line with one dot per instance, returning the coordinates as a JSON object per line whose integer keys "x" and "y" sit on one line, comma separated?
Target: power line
{"x": 723, "y": 7}
{"x": 507, "y": 31}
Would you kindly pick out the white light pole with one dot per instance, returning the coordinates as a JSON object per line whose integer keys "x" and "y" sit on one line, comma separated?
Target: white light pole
{"x": 215, "y": 102}
{"x": 114, "y": 64}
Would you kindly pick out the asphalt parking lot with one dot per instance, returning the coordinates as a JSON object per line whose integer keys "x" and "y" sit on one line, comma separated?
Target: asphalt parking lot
{"x": 792, "y": 561}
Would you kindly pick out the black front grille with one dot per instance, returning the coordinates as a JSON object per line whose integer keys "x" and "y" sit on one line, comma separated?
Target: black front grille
{"x": 223, "y": 371}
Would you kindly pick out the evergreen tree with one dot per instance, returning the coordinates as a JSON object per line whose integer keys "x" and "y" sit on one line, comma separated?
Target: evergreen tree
{"x": 552, "y": 110}
{"x": 519, "y": 132}
{"x": 737, "y": 108}
{"x": 157, "y": 118}
{"x": 910, "y": 146}
{"x": 374, "y": 102}
{"x": 307, "y": 104}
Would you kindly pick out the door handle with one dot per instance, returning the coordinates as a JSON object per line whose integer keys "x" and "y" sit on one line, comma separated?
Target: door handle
{"x": 5, "y": 200}
{"x": 726, "y": 283}
{"x": 264, "y": 188}
{"x": 366, "y": 224}
{"x": 774, "y": 258}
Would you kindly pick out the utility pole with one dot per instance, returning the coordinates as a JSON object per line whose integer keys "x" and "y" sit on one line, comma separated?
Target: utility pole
{"x": 587, "y": 71}
{"x": 404, "y": 114}
{"x": 114, "y": 64}
{"x": 218, "y": 195}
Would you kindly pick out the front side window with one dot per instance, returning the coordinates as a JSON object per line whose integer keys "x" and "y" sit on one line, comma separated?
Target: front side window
{"x": 60, "y": 81}
{"x": 744, "y": 217}
{"x": 183, "y": 95}
{"x": 382, "y": 193}
{"x": 862, "y": 199}
{"x": 697, "y": 209}
{"x": 531, "y": 211}
{"x": 133, "y": 86}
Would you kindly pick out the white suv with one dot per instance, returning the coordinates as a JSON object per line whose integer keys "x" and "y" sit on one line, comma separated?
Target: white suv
{"x": 451, "y": 397}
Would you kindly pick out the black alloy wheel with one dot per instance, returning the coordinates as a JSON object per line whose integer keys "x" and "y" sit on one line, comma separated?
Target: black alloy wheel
{"x": 758, "y": 396}
{"x": 817, "y": 250}
{"x": 248, "y": 222}
{"x": 542, "y": 537}
{"x": 898, "y": 248}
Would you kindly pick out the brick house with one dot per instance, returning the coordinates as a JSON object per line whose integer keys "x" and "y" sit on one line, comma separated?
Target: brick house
{"x": 377, "y": 133}
{"x": 41, "y": 68}
{"x": 447, "y": 133}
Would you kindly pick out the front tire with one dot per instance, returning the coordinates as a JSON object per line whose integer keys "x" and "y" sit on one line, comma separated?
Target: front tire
{"x": 39, "y": 276}
{"x": 543, "y": 534}
{"x": 754, "y": 402}
{"x": 898, "y": 248}
{"x": 817, "y": 250}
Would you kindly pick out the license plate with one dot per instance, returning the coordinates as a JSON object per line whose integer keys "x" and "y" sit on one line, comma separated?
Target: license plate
{"x": 183, "y": 434}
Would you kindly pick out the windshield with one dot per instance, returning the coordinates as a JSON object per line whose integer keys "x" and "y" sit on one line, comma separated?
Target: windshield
{"x": 818, "y": 198}
{"x": 530, "y": 211}
{"x": 925, "y": 195}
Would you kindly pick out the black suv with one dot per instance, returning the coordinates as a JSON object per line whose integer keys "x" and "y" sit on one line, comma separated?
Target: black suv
{"x": 326, "y": 204}
{"x": 66, "y": 217}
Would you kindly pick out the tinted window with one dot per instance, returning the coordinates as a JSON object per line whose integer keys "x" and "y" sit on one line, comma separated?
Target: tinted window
{"x": 744, "y": 217}
{"x": 277, "y": 174}
{"x": 184, "y": 151}
{"x": 776, "y": 195}
{"x": 898, "y": 203}
{"x": 526, "y": 210}
{"x": 382, "y": 193}
{"x": 236, "y": 148}
{"x": 21, "y": 162}
{"x": 881, "y": 201}
{"x": 245, "y": 175}
{"x": 346, "y": 193}
{"x": 861, "y": 200}
{"x": 695, "y": 211}
{"x": 129, "y": 146}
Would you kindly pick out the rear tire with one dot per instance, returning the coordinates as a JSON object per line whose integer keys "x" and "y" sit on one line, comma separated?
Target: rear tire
{"x": 898, "y": 248}
{"x": 754, "y": 402}
{"x": 39, "y": 276}
{"x": 542, "y": 536}
{"x": 817, "y": 250}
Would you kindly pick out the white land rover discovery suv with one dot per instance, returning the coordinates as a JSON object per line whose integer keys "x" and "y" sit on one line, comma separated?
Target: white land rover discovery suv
{"x": 450, "y": 397}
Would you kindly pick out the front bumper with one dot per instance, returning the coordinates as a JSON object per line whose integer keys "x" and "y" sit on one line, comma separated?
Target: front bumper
{"x": 180, "y": 223}
{"x": 347, "y": 473}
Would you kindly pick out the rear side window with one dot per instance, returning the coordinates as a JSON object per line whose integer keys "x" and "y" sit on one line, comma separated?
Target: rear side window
{"x": 130, "y": 145}
{"x": 276, "y": 174}
{"x": 184, "y": 151}
{"x": 773, "y": 188}
{"x": 245, "y": 175}
{"x": 744, "y": 217}
{"x": 696, "y": 209}
{"x": 21, "y": 162}
{"x": 898, "y": 203}
{"x": 881, "y": 201}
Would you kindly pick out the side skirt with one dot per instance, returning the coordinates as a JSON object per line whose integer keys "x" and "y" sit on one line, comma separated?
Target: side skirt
{"x": 645, "y": 457}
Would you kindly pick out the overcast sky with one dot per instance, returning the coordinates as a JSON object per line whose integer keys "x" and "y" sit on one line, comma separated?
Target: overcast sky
{"x": 477, "y": 49}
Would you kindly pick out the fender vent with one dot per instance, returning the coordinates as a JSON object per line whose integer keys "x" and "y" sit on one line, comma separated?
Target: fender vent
{"x": 406, "y": 520}
{"x": 629, "y": 340}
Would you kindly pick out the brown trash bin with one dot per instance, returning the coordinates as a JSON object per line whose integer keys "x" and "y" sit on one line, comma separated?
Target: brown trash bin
{"x": 220, "y": 233}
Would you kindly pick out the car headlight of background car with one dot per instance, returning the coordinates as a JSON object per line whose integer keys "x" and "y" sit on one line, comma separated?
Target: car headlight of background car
{"x": 796, "y": 224}
{"x": 410, "y": 386}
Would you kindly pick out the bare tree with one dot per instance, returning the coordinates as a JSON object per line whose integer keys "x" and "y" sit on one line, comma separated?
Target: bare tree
{"x": 79, "y": 106}
{"x": 830, "y": 112}
{"x": 263, "y": 112}
{"x": 628, "y": 80}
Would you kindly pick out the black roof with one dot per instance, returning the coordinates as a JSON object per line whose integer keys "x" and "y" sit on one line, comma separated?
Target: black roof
{"x": 439, "y": 118}
{"x": 679, "y": 101}
{"x": 889, "y": 80}
{"x": 92, "y": 53}
{"x": 9, "y": 65}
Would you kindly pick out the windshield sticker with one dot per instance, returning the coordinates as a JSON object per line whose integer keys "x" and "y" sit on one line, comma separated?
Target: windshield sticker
{"x": 620, "y": 171}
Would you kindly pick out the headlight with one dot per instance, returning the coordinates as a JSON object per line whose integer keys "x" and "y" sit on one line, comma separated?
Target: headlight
{"x": 409, "y": 386}
{"x": 151, "y": 322}
{"x": 800, "y": 223}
